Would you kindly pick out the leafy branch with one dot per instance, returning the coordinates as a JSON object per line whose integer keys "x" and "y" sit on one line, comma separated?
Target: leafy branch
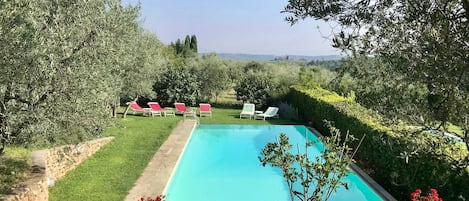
{"x": 319, "y": 176}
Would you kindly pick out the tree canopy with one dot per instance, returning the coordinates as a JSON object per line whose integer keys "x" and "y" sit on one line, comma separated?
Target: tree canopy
{"x": 63, "y": 65}
{"x": 409, "y": 60}
{"x": 420, "y": 43}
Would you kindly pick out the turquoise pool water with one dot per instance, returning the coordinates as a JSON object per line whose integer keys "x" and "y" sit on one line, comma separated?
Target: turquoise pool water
{"x": 221, "y": 163}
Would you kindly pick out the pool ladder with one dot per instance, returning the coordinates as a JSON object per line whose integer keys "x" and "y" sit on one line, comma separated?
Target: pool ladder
{"x": 197, "y": 119}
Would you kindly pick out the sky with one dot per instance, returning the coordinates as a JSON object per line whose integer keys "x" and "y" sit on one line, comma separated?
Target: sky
{"x": 235, "y": 26}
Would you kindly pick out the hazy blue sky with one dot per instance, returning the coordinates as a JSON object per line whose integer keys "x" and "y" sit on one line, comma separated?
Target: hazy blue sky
{"x": 235, "y": 26}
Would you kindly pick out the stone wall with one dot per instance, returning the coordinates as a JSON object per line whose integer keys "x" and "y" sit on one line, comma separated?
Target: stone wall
{"x": 49, "y": 165}
{"x": 62, "y": 159}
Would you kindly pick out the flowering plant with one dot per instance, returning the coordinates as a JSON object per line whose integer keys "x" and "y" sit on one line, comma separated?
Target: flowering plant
{"x": 432, "y": 195}
{"x": 158, "y": 198}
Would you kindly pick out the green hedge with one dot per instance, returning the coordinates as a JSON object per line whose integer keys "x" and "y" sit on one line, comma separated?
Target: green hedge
{"x": 380, "y": 154}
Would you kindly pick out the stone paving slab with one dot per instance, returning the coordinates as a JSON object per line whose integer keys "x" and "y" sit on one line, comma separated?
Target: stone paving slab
{"x": 155, "y": 176}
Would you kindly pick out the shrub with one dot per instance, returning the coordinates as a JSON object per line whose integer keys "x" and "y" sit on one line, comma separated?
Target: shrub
{"x": 398, "y": 159}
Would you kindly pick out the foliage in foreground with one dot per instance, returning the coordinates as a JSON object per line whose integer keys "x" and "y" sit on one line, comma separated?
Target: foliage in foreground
{"x": 318, "y": 178}
{"x": 399, "y": 159}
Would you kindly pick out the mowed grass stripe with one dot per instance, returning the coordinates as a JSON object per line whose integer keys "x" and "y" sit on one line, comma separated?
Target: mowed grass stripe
{"x": 111, "y": 172}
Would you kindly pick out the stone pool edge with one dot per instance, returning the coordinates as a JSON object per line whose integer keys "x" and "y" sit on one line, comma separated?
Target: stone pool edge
{"x": 179, "y": 159}
{"x": 159, "y": 170}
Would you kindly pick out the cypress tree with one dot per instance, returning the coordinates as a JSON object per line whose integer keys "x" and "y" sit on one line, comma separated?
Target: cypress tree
{"x": 193, "y": 45}
{"x": 186, "y": 51}
{"x": 187, "y": 41}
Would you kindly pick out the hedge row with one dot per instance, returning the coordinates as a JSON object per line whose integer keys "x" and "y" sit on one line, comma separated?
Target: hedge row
{"x": 382, "y": 154}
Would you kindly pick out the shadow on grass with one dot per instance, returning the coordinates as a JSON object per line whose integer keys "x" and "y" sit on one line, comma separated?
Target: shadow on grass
{"x": 12, "y": 171}
{"x": 282, "y": 122}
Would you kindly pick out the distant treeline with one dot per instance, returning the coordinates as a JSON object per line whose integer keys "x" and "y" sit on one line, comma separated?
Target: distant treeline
{"x": 269, "y": 57}
{"x": 328, "y": 64}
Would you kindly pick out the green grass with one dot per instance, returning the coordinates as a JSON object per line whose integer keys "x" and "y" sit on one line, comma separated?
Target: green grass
{"x": 112, "y": 171}
{"x": 231, "y": 116}
{"x": 13, "y": 167}
{"x": 227, "y": 98}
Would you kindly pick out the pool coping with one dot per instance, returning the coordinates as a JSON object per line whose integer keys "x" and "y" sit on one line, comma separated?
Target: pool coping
{"x": 158, "y": 173}
{"x": 179, "y": 159}
{"x": 368, "y": 180}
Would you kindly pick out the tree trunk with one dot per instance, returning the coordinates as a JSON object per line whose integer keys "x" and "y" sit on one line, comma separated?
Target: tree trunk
{"x": 127, "y": 109}
{"x": 113, "y": 111}
{"x": 115, "y": 106}
{"x": 466, "y": 139}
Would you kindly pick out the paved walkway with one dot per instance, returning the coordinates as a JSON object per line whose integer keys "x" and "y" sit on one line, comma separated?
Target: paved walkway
{"x": 157, "y": 173}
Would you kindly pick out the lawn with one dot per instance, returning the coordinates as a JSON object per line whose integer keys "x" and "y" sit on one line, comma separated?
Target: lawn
{"x": 231, "y": 116}
{"x": 111, "y": 172}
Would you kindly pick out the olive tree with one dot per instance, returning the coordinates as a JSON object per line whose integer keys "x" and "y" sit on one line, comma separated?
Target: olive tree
{"x": 255, "y": 88}
{"x": 57, "y": 69}
{"x": 423, "y": 41}
{"x": 212, "y": 74}
{"x": 177, "y": 84}
{"x": 410, "y": 59}
{"x": 146, "y": 63}
{"x": 417, "y": 49}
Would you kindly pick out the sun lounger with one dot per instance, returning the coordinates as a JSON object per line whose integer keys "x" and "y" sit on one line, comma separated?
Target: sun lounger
{"x": 136, "y": 108}
{"x": 248, "y": 110}
{"x": 157, "y": 110}
{"x": 182, "y": 109}
{"x": 269, "y": 113}
{"x": 205, "y": 109}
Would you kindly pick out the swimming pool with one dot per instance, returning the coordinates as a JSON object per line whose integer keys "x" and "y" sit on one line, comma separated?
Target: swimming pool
{"x": 221, "y": 162}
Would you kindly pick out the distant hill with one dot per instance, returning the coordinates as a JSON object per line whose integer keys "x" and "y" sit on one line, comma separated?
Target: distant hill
{"x": 266, "y": 57}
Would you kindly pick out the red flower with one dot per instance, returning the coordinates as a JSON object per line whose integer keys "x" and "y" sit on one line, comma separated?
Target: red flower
{"x": 431, "y": 196}
{"x": 418, "y": 191}
{"x": 158, "y": 198}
